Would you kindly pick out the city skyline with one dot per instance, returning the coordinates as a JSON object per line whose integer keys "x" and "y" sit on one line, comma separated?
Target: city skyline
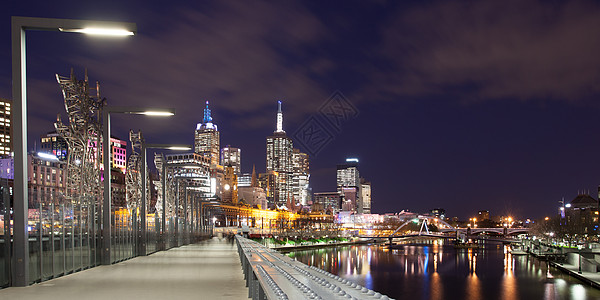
{"x": 451, "y": 137}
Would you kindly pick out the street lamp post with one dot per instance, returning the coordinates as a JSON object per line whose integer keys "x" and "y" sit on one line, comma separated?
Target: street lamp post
{"x": 106, "y": 152}
{"x": 144, "y": 171}
{"x": 20, "y": 274}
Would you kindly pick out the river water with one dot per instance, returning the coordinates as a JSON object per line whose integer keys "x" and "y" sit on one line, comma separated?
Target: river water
{"x": 443, "y": 272}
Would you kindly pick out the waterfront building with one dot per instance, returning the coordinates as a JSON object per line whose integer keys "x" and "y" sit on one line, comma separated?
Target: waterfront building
{"x": 6, "y": 142}
{"x": 348, "y": 184}
{"x": 53, "y": 143}
{"x": 279, "y": 162}
{"x": 365, "y": 197}
{"x": 231, "y": 156}
{"x": 300, "y": 177}
{"x": 207, "y": 138}
{"x": 581, "y": 215}
{"x": 326, "y": 201}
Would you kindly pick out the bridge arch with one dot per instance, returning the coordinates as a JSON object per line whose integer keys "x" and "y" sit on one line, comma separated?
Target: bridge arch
{"x": 421, "y": 217}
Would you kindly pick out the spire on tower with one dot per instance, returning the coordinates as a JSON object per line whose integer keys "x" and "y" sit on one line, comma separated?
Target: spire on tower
{"x": 207, "y": 117}
{"x": 279, "y": 118}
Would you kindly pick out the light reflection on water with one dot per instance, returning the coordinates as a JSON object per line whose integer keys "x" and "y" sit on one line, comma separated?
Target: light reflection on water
{"x": 442, "y": 272}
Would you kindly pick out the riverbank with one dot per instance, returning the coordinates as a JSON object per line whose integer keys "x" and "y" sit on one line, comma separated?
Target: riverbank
{"x": 286, "y": 248}
{"x": 590, "y": 278}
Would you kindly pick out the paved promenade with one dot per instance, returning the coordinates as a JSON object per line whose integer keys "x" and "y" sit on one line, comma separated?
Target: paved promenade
{"x": 207, "y": 270}
{"x": 589, "y": 277}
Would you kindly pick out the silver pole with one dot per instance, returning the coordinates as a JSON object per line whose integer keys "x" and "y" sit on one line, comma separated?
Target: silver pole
{"x": 106, "y": 215}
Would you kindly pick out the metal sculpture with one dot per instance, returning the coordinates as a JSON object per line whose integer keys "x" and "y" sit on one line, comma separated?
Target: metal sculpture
{"x": 134, "y": 169}
{"x": 158, "y": 162}
{"x": 83, "y": 135}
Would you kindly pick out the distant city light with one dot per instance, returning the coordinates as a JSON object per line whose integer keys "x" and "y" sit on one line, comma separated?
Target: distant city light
{"x": 352, "y": 160}
{"x": 568, "y": 205}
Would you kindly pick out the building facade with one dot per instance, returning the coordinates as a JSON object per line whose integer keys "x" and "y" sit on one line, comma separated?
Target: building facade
{"x": 327, "y": 202}
{"x": 6, "y": 142}
{"x": 231, "y": 156}
{"x": 207, "y": 138}
{"x": 279, "y": 162}
{"x": 348, "y": 185}
{"x": 53, "y": 143}
{"x": 365, "y": 197}
{"x": 47, "y": 180}
{"x": 300, "y": 177}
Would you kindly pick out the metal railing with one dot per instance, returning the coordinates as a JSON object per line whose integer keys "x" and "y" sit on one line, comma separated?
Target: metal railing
{"x": 271, "y": 275}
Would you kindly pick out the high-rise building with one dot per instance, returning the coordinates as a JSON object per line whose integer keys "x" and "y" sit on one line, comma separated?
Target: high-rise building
{"x": 348, "y": 185}
{"x": 300, "y": 177}
{"x": 245, "y": 180}
{"x": 231, "y": 156}
{"x": 207, "y": 139}
{"x": 329, "y": 201}
{"x": 6, "y": 143}
{"x": 365, "y": 197}
{"x": 53, "y": 143}
{"x": 279, "y": 161}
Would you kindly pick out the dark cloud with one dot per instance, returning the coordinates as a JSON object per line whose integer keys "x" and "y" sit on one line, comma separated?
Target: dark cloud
{"x": 241, "y": 56}
{"x": 492, "y": 49}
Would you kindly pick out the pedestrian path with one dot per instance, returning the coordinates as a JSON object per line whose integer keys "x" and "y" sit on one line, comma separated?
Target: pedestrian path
{"x": 207, "y": 270}
{"x": 589, "y": 277}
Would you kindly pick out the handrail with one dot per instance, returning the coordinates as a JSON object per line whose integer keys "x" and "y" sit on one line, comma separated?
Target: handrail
{"x": 271, "y": 275}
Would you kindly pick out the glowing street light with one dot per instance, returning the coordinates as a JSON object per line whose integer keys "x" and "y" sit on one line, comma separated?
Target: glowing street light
{"x": 19, "y": 25}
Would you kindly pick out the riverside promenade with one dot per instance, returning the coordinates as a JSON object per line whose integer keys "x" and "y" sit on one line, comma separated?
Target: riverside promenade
{"x": 592, "y": 278}
{"x": 206, "y": 270}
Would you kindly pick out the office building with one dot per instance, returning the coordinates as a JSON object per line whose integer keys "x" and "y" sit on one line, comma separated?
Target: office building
{"x": 47, "y": 179}
{"x": 327, "y": 202}
{"x": 300, "y": 177}
{"x": 207, "y": 138}
{"x": 6, "y": 142}
{"x": 365, "y": 197}
{"x": 231, "y": 156}
{"x": 348, "y": 185}
{"x": 53, "y": 143}
{"x": 279, "y": 161}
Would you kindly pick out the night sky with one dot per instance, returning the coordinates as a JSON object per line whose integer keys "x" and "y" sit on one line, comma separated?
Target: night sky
{"x": 466, "y": 105}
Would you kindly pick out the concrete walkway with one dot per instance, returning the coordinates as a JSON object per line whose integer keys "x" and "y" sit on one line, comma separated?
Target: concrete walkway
{"x": 207, "y": 270}
{"x": 589, "y": 277}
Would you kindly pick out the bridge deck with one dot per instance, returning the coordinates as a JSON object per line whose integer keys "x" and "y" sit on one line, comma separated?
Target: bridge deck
{"x": 207, "y": 270}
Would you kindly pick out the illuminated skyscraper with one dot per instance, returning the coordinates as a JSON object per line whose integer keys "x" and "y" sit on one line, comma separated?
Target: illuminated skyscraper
{"x": 207, "y": 139}
{"x": 300, "y": 176}
{"x": 6, "y": 144}
{"x": 279, "y": 162}
{"x": 231, "y": 156}
{"x": 348, "y": 185}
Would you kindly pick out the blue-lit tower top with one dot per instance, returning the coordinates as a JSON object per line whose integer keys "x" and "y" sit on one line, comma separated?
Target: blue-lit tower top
{"x": 207, "y": 120}
{"x": 207, "y": 117}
